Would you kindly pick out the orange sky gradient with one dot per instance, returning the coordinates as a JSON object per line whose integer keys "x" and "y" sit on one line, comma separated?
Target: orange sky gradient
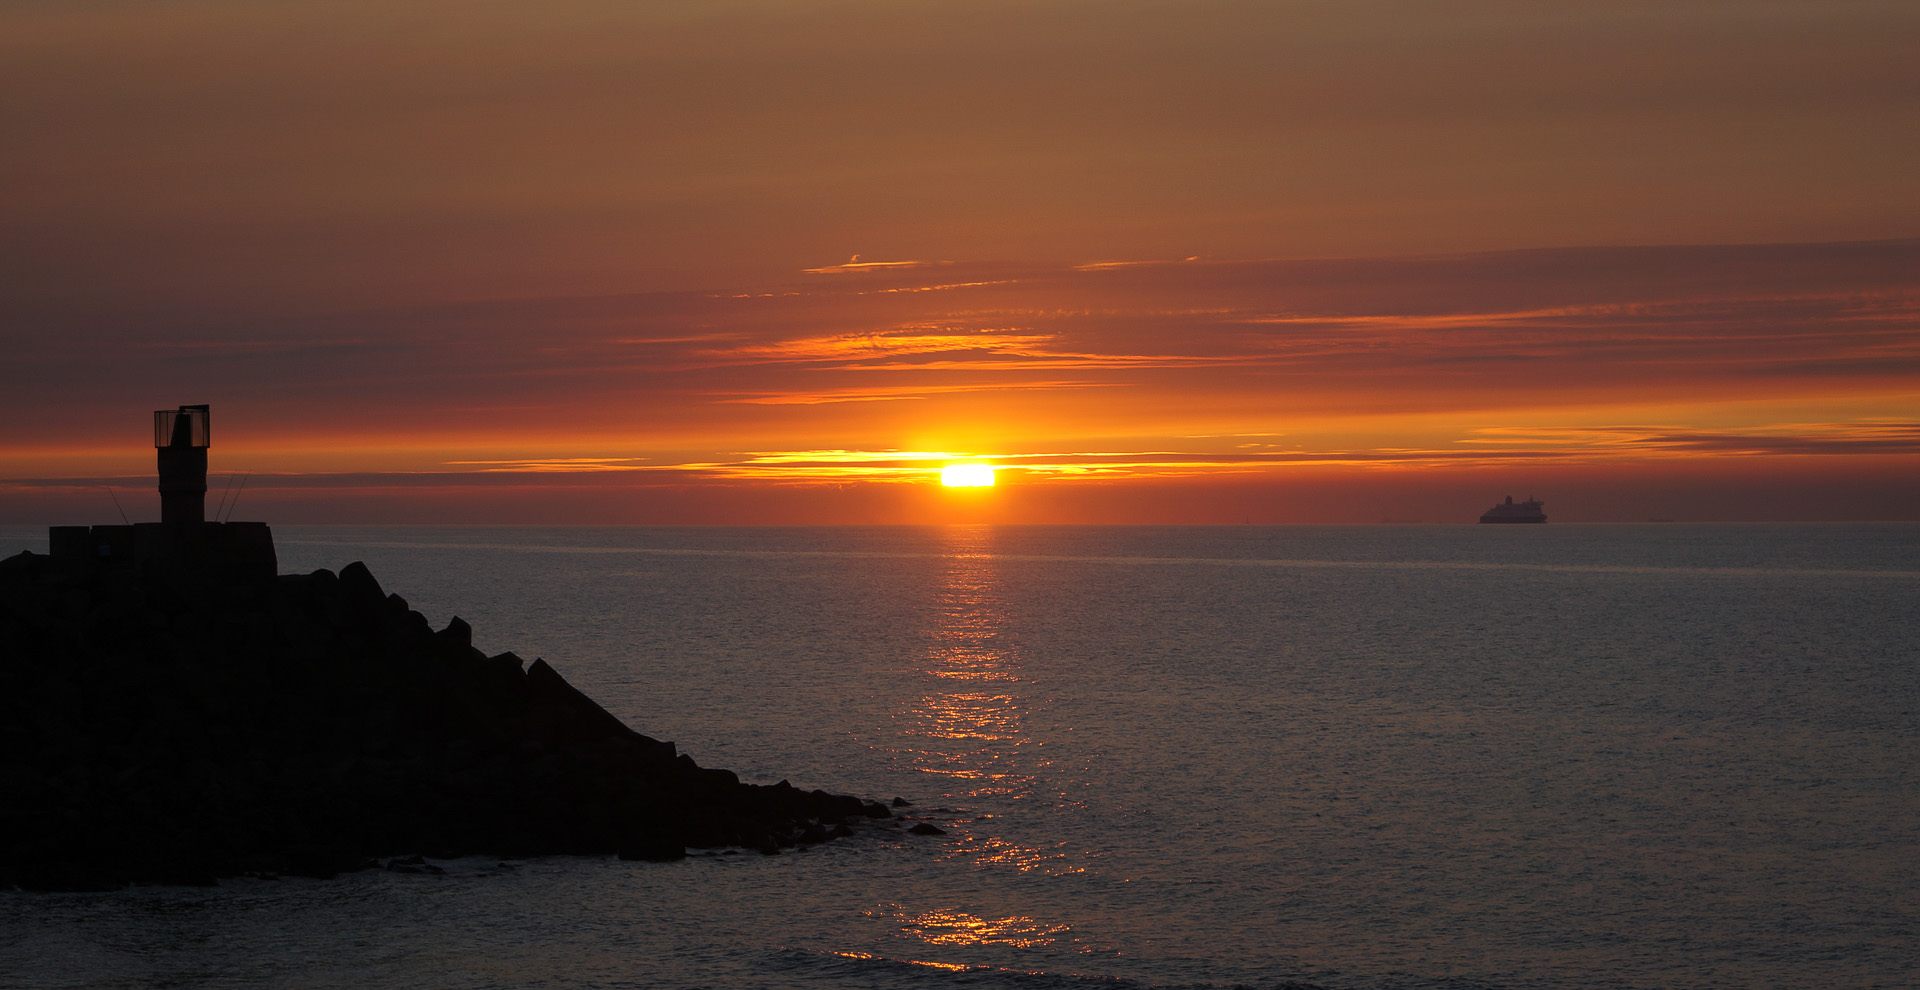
{"x": 770, "y": 264}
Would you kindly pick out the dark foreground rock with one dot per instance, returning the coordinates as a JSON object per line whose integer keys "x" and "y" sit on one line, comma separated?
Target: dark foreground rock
{"x": 163, "y": 727}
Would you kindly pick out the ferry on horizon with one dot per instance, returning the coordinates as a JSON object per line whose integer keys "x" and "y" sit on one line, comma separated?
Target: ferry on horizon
{"x": 1509, "y": 512}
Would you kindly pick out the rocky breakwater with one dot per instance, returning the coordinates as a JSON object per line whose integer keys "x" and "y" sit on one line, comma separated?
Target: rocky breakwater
{"x": 163, "y": 727}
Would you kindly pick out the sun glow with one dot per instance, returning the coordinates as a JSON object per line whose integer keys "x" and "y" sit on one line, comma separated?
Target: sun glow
{"x": 967, "y": 476}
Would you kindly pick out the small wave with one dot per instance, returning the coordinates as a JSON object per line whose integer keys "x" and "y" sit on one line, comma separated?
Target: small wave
{"x": 867, "y": 969}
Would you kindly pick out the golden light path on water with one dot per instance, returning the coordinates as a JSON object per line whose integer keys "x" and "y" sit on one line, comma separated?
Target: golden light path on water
{"x": 968, "y": 732}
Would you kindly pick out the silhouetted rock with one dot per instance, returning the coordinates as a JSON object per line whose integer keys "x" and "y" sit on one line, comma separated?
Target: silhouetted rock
{"x": 412, "y": 864}
{"x": 358, "y": 583}
{"x": 156, "y": 728}
{"x": 925, "y": 829}
{"x": 457, "y": 636}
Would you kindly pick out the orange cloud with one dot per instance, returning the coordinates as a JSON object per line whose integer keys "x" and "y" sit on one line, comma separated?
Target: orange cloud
{"x": 897, "y": 392}
{"x": 855, "y": 265}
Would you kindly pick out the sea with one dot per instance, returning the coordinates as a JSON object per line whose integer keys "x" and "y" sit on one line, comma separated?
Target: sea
{"x": 1406, "y": 757}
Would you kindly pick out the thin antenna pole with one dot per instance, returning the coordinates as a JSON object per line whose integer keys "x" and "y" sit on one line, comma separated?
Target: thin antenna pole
{"x": 116, "y": 504}
{"x": 223, "y": 497}
{"x": 236, "y": 495}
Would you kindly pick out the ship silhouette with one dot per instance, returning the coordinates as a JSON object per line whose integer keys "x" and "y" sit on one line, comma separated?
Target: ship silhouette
{"x": 1511, "y": 512}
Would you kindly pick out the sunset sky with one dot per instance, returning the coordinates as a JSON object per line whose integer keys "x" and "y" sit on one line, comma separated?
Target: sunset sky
{"x": 757, "y": 262}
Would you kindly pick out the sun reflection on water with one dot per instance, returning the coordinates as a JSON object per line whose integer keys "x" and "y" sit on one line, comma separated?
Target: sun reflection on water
{"x": 967, "y": 726}
{"x": 947, "y": 927}
{"x": 991, "y": 851}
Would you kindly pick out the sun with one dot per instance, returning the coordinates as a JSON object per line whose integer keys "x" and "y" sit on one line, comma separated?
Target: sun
{"x": 967, "y": 476}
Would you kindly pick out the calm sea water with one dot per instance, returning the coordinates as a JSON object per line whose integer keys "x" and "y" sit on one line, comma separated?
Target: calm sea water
{"x": 1370, "y": 757}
